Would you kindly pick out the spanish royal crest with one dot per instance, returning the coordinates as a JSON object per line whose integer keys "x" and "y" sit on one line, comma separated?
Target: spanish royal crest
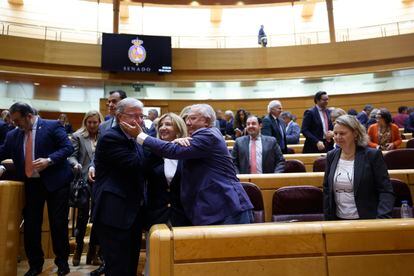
{"x": 137, "y": 52}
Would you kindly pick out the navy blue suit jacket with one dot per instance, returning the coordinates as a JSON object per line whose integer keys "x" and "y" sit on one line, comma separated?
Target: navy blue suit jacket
{"x": 362, "y": 118}
{"x": 312, "y": 129}
{"x": 4, "y": 128}
{"x": 210, "y": 189}
{"x": 293, "y": 133}
{"x": 118, "y": 188}
{"x": 373, "y": 191}
{"x": 51, "y": 142}
{"x": 270, "y": 128}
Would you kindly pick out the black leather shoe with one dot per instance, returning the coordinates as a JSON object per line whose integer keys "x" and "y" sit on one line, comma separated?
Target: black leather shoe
{"x": 99, "y": 271}
{"x": 63, "y": 271}
{"x": 33, "y": 272}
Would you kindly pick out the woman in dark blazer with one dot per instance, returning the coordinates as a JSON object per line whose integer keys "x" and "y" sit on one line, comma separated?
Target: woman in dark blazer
{"x": 163, "y": 204}
{"x": 356, "y": 183}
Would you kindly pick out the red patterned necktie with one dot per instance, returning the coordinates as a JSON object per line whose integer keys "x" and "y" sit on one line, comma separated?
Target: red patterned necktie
{"x": 253, "y": 165}
{"x": 28, "y": 159}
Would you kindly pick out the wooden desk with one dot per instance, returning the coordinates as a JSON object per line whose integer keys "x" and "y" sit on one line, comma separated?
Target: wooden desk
{"x": 326, "y": 248}
{"x": 269, "y": 183}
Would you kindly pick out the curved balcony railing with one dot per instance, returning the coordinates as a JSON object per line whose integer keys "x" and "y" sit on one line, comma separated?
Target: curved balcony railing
{"x": 249, "y": 41}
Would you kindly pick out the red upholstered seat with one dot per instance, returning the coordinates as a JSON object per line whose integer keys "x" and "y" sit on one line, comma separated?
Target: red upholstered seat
{"x": 297, "y": 203}
{"x": 400, "y": 159}
{"x": 256, "y": 198}
{"x": 319, "y": 164}
{"x": 294, "y": 166}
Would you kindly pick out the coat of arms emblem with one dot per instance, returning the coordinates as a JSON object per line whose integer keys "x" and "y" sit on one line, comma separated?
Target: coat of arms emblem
{"x": 137, "y": 52}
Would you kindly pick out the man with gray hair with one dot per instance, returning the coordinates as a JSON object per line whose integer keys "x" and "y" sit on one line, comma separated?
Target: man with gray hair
{"x": 119, "y": 192}
{"x": 292, "y": 128}
{"x": 275, "y": 126}
{"x": 210, "y": 190}
{"x": 229, "y": 117}
{"x": 152, "y": 116}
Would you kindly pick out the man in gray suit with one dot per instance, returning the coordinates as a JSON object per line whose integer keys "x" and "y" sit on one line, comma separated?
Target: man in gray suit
{"x": 255, "y": 153}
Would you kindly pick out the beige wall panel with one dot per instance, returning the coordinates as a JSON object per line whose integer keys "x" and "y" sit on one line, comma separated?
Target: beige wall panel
{"x": 378, "y": 265}
{"x": 312, "y": 266}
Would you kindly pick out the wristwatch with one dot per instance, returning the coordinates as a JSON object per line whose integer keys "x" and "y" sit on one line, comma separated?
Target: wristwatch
{"x": 49, "y": 161}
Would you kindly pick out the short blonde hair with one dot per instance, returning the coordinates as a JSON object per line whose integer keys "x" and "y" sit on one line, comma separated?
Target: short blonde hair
{"x": 178, "y": 124}
{"x": 353, "y": 124}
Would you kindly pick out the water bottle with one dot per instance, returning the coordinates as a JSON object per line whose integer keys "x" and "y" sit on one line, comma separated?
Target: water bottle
{"x": 406, "y": 211}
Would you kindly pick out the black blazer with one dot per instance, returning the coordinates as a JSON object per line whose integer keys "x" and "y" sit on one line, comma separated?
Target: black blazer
{"x": 272, "y": 157}
{"x": 119, "y": 185}
{"x": 270, "y": 128}
{"x": 163, "y": 203}
{"x": 312, "y": 129}
{"x": 374, "y": 196}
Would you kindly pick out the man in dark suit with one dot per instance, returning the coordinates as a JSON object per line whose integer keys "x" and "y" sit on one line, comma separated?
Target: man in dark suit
{"x": 274, "y": 126}
{"x": 152, "y": 116}
{"x": 118, "y": 192}
{"x": 210, "y": 190}
{"x": 409, "y": 125}
{"x": 317, "y": 126}
{"x": 220, "y": 122}
{"x": 39, "y": 149}
{"x": 363, "y": 116}
{"x": 4, "y": 128}
{"x": 255, "y": 153}
{"x": 229, "y": 117}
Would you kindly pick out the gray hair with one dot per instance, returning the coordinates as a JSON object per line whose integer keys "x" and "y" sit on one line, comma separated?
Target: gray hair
{"x": 229, "y": 112}
{"x": 353, "y": 124}
{"x": 128, "y": 102}
{"x": 374, "y": 113}
{"x": 153, "y": 111}
{"x": 336, "y": 112}
{"x": 274, "y": 103}
{"x": 286, "y": 114}
{"x": 206, "y": 111}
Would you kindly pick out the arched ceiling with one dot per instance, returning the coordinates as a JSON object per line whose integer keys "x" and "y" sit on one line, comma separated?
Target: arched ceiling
{"x": 212, "y": 2}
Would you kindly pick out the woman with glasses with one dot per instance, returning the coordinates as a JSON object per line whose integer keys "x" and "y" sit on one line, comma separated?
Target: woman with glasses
{"x": 356, "y": 183}
{"x": 384, "y": 134}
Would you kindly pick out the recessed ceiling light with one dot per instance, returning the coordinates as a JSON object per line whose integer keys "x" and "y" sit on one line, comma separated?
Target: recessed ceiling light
{"x": 64, "y": 85}
{"x": 240, "y": 3}
{"x": 7, "y": 82}
{"x": 36, "y": 83}
{"x": 194, "y": 3}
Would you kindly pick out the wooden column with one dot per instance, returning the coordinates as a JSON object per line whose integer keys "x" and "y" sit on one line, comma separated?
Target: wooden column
{"x": 329, "y": 7}
{"x": 116, "y": 16}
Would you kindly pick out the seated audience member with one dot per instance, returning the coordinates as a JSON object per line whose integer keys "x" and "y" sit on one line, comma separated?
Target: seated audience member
{"x": 317, "y": 127}
{"x": 184, "y": 112}
{"x": 229, "y": 117}
{"x": 384, "y": 134}
{"x": 273, "y": 125}
{"x": 210, "y": 190}
{"x": 292, "y": 128}
{"x": 356, "y": 183}
{"x": 63, "y": 119}
{"x": 363, "y": 116}
{"x": 401, "y": 118}
{"x": 255, "y": 153}
{"x": 372, "y": 118}
{"x": 4, "y": 128}
{"x": 335, "y": 113}
{"x": 163, "y": 203}
{"x": 84, "y": 142}
{"x": 262, "y": 38}
{"x": 152, "y": 116}
{"x": 352, "y": 112}
{"x": 240, "y": 123}
{"x": 409, "y": 124}
{"x": 220, "y": 123}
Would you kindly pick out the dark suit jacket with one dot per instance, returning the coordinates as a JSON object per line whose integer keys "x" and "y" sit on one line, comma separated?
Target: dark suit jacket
{"x": 230, "y": 128}
{"x": 118, "y": 189}
{"x": 293, "y": 133}
{"x": 159, "y": 194}
{"x": 51, "y": 142}
{"x": 4, "y": 128}
{"x": 210, "y": 189}
{"x": 272, "y": 157}
{"x": 373, "y": 191}
{"x": 362, "y": 118}
{"x": 409, "y": 127}
{"x": 271, "y": 128}
{"x": 312, "y": 129}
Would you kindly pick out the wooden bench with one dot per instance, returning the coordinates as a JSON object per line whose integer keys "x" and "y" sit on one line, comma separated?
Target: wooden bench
{"x": 357, "y": 248}
{"x": 269, "y": 183}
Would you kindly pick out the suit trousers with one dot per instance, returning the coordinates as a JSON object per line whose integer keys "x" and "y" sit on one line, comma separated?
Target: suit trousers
{"x": 58, "y": 211}
{"x": 81, "y": 223}
{"x": 120, "y": 247}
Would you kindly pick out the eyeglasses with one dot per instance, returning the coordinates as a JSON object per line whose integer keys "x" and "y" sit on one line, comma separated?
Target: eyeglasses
{"x": 134, "y": 116}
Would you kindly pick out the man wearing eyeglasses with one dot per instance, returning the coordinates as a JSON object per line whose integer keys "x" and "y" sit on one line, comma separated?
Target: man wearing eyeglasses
{"x": 118, "y": 192}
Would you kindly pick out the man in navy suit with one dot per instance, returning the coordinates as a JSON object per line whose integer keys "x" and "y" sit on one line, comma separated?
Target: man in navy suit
{"x": 39, "y": 150}
{"x": 275, "y": 126}
{"x": 210, "y": 190}
{"x": 118, "y": 192}
{"x": 4, "y": 128}
{"x": 292, "y": 128}
{"x": 255, "y": 153}
{"x": 363, "y": 116}
{"x": 317, "y": 126}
